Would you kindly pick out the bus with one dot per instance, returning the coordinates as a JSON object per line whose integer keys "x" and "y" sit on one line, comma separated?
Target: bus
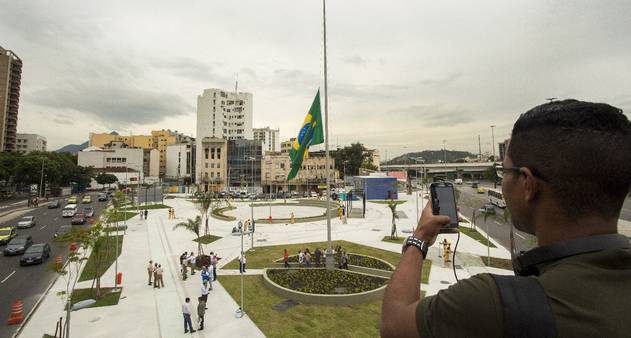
{"x": 496, "y": 198}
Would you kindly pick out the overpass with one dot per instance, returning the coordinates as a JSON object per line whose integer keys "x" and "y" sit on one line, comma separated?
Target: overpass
{"x": 467, "y": 170}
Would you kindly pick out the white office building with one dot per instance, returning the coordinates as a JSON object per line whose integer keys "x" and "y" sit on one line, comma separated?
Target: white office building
{"x": 180, "y": 161}
{"x": 270, "y": 138}
{"x": 128, "y": 164}
{"x": 30, "y": 142}
{"x": 224, "y": 114}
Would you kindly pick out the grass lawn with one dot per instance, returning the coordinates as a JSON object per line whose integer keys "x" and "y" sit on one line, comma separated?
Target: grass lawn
{"x": 476, "y": 235}
{"x": 263, "y": 256}
{"x": 499, "y": 263}
{"x": 107, "y": 257}
{"x": 148, "y": 207}
{"x": 387, "y": 201}
{"x": 304, "y": 320}
{"x": 107, "y": 296}
{"x": 207, "y": 239}
{"x": 398, "y": 240}
{"x": 122, "y": 216}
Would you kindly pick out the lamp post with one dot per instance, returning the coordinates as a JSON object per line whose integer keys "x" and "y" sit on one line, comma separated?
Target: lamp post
{"x": 494, "y": 159}
{"x": 416, "y": 193}
{"x": 41, "y": 179}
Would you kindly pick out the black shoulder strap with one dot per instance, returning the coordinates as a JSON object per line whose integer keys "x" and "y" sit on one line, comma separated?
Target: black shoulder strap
{"x": 526, "y": 310}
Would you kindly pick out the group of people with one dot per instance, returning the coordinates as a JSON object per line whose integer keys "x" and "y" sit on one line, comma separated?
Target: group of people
{"x": 33, "y": 202}
{"x": 171, "y": 213}
{"x": 144, "y": 214}
{"x": 208, "y": 275}
{"x": 187, "y": 260}
{"x": 155, "y": 270}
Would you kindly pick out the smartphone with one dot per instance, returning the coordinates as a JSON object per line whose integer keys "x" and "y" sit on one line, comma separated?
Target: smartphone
{"x": 444, "y": 202}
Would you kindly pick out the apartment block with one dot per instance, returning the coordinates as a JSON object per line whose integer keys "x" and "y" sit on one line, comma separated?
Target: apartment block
{"x": 10, "y": 80}
{"x": 26, "y": 143}
{"x": 224, "y": 114}
{"x": 269, "y": 137}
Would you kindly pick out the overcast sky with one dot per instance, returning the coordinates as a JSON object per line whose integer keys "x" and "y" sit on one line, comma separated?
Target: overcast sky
{"x": 403, "y": 75}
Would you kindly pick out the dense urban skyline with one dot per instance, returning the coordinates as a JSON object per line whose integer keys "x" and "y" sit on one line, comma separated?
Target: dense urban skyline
{"x": 403, "y": 77}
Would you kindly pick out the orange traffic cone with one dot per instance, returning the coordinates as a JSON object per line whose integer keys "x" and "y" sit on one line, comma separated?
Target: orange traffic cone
{"x": 17, "y": 313}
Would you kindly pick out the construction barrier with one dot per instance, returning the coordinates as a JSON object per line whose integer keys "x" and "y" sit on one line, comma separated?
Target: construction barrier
{"x": 17, "y": 313}
{"x": 119, "y": 278}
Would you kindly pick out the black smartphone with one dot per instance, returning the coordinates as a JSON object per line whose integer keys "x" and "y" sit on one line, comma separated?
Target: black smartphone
{"x": 444, "y": 202}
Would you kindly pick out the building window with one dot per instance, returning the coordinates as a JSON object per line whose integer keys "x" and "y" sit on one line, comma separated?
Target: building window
{"x": 206, "y": 165}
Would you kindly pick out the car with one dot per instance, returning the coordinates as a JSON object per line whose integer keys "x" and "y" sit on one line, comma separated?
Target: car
{"x": 69, "y": 210}
{"x": 54, "y": 204}
{"x": 64, "y": 229}
{"x": 35, "y": 254}
{"x": 488, "y": 209}
{"x": 314, "y": 194}
{"x": 481, "y": 190}
{"x": 102, "y": 197}
{"x": 72, "y": 200}
{"x": 26, "y": 222}
{"x": 458, "y": 181}
{"x": 474, "y": 184}
{"x": 305, "y": 194}
{"x": 6, "y": 234}
{"x": 294, "y": 194}
{"x": 88, "y": 212}
{"x": 223, "y": 194}
{"x": 18, "y": 245}
{"x": 86, "y": 199}
{"x": 252, "y": 197}
{"x": 78, "y": 219}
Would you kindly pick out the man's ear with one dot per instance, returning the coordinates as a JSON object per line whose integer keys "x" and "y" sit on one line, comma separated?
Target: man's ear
{"x": 530, "y": 184}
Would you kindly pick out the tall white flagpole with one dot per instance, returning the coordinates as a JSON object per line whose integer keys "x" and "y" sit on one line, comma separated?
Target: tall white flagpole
{"x": 330, "y": 264}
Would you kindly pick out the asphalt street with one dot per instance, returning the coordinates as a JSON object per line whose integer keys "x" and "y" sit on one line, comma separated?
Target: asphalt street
{"x": 28, "y": 283}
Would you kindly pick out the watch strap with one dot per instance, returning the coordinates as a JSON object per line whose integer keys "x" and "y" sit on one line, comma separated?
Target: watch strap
{"x": 420, "y": 244}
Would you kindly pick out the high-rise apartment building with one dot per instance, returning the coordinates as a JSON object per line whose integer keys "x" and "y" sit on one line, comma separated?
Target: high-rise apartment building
{"x": 224, "y": 114}
{"x": 10, "y": 79}
{"x": 269, "y": 137}
{"x": 30, "y": 142}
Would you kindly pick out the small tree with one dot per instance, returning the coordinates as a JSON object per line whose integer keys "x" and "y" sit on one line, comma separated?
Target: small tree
{"x": 194, "y": 227}
{"x": 204, "y": 201}
{"x": 392, "y": 204}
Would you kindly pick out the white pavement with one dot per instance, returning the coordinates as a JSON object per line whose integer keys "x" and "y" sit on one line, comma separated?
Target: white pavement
{"x": 145, "y": 311}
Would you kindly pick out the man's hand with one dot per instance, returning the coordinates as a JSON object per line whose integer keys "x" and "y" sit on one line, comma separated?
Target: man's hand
{"x": 429, "y": 226}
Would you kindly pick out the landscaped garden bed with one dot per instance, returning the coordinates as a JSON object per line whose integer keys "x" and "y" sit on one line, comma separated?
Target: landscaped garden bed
{"x": 353, "y": 259}
{"x": 322, "y": 281}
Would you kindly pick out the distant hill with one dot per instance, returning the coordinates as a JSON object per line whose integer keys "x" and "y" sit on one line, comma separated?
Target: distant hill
{"x": 73, "y": 148}
{"x": 431, "y": 156}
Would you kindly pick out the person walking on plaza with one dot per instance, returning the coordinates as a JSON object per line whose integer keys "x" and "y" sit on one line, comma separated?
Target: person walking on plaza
{"x": 205, "y": 290}
{"x": 214, "y": 260}
{"x": 191, "y": 262}
{"x": 318, "y": 256}
{"x": 186, "y": 312}
{"x": 146, "y": 212}
{"x": 242, "y": 262}
{"x": 301, "y": 258}
{"x": 307, "y": 259}
{"x": 160, "y": 276}
{"x": 150, "y": 270}
{"x": 286, "y": 258}
{"x": 155, "y": 275}
{"x": 201, "y": 311}
{"x": 205, "y": 274}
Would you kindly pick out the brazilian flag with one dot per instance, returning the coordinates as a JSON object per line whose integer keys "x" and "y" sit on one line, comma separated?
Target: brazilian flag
{"x": 310, "y": 134}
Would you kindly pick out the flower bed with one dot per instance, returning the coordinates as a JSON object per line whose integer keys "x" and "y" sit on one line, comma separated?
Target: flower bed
{"x": 325, "y": 282}
{"x": 354, "y": 259}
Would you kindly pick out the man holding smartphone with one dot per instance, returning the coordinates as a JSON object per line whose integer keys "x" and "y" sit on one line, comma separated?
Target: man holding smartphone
{"x": 566, "y": 175}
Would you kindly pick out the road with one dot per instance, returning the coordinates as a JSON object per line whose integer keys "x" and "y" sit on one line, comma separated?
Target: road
{"x": 470, "y": 200}
{"x": 29, "y": 283}
{"x": 625, "y": 213}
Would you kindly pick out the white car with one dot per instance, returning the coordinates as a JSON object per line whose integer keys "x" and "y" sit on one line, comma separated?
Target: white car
{"x": 26, "y": 222}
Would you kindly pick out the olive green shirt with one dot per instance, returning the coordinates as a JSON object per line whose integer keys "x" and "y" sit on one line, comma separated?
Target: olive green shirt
{"x": 590, "y": 296}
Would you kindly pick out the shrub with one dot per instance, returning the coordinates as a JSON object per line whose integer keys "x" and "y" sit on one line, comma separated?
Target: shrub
{"x": 354, "y": 259}
{"x": 322, "y": 281}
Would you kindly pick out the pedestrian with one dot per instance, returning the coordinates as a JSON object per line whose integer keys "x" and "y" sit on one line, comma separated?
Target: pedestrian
{"x": 186, "y": 311}
{"x": 242, "y": 262}
{"x": 146, "y": 213}
{"x": 150, "y": 270}
{"x": 215, "y": 259}
{"x": 155, "y": 275}
{"x": 201, "y": 311}
{"x": 308, "y": 259}
{"x": 191, "y": 262}
{"x": 141, "y": 216}
{"x": 205, "y": 274}
{"x": 286, "y": 258}
{"x": 301, "y": 258}
{"x": 344, "y": 260}
{"x": 205, "y": 290}
{"x": 173, "y": 213}
{"x": 318, "y": 256}
{"x": 160, "y": 275}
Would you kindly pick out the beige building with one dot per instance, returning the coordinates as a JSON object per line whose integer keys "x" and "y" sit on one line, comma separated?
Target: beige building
{"x": 159, "y": 139}
{"x": 285, "y": 146}
{"x": 30, "y": 142}
{"x": 10, "y": 79}
{"x": 212, "y": 164}
{"x": 276, "y": 166}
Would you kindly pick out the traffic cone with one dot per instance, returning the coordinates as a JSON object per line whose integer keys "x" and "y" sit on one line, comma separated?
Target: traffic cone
{"x": 58, "y": 262}
{"x": 17, "y": 313}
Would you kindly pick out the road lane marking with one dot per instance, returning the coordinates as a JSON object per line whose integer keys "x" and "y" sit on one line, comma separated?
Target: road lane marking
{"x": 42, "y": 228}
{"x": 7, "y": 277}
{"x": 520, "y": 236}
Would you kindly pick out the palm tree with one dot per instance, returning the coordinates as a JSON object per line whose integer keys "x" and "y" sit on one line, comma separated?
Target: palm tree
{"x": 392, "y": 204}
{"x": 204, "y": 202}
{"x": 192, "y": 226}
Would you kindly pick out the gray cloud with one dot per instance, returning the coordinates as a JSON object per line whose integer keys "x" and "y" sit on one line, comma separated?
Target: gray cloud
{"x": 190, "y": 68}
{"x": 432, "y": 115}
{"x": 447, "y": 80}
{"x": 356, "y": 59}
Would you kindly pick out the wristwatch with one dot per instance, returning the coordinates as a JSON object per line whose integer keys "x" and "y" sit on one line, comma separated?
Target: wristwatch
{"x": 419, "y": 244}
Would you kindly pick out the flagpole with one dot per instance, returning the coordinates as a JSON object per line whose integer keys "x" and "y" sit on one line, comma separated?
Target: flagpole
{"x": 330, "y": 264}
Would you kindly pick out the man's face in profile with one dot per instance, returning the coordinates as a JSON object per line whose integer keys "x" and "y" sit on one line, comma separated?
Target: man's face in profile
{"x": 512, "y": 191}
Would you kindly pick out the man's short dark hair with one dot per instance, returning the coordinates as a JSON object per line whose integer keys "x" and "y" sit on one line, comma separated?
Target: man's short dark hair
{"x": 582, "y": 149}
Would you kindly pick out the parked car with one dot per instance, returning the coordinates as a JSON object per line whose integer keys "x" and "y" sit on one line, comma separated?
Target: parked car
{"x": 86, "y": 199}
{"x": 223, "y": 194}
{"x": 474, "y": 184}
{"x": 36, "y": 254}
{"x": 481, "y": 190}
{"x": 64, "y": 229}
{"x": 314, "y": 194}
{"x": 88, "y": 211}
{"x": 72, "y": 200}
{"x": 6, "y": 234}
{"x": 78, "y": 219}
{"x": 305, "y": 194}
{"x": 18, "y": 245}
{"x": 26, "y": 222}
{"x": 54, "y": 204}
{"x": 103, "y": 197}
{"x": 488, "y": 209}
{"x": 252, "y": 197}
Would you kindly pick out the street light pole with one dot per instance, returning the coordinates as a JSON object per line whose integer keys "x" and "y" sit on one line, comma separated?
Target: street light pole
{"x": 41, "y": 179}
{"x": 493, "y": 140}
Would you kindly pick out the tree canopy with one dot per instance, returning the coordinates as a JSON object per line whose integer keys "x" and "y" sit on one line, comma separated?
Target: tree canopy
{"x": 353, "y": 157}
{"x": 59, "y": 169}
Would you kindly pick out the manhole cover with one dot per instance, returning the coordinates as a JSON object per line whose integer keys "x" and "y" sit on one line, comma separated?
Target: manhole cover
{"x": 444, "y": 282}
{"x": 285, "y": 305}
